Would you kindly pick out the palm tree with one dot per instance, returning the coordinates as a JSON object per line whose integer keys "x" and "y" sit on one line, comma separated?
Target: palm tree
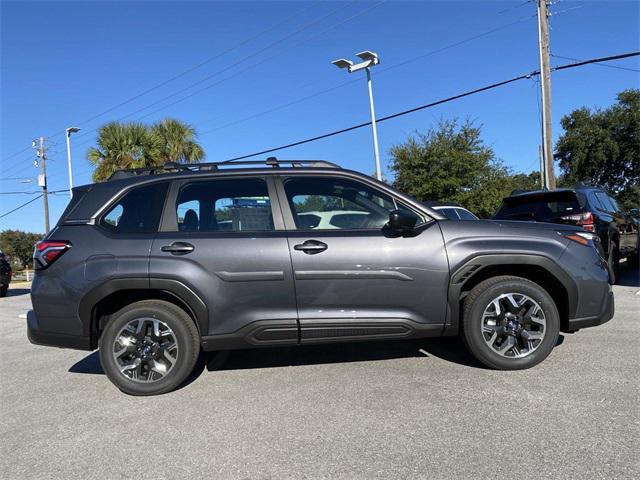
{"x": 123, "y": 145}
{"x": 177, "y": 141}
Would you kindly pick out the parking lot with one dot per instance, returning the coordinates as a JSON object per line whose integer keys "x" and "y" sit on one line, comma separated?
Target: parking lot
{"x": 418, "y": 409}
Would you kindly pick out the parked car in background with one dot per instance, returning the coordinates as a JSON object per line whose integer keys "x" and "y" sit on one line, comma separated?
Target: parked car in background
{"x": 591, "y": 208}
{"x": 5, "y": 275}
{"x": 451, "y": 210}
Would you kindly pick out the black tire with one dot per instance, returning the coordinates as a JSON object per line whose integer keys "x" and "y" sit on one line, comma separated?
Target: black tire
{"x": 3, "y": 290}
{"x": 186, "y": 338}
{"x": 613, "y": 262}
{"x": 479, "y": 299}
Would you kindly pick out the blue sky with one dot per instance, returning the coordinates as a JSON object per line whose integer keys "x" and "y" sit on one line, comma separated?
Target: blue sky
{"x": 65, "y": 62}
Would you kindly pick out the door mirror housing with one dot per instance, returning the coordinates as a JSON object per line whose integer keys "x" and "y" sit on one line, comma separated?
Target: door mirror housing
{"x": 402, "y": 221}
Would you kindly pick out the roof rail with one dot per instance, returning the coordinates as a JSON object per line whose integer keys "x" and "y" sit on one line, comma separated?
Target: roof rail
{"x": 173, "y": 167}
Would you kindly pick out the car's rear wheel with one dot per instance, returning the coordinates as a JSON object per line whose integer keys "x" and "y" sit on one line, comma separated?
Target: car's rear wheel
{"x": 3, "y": 290}
{"x": 510, "y": 323}
{"x": 149, "y": 347}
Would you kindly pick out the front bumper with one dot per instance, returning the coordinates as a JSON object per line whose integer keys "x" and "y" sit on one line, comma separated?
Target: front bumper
{"x": 608, "y": 310}
{"x": 38, "y": 337}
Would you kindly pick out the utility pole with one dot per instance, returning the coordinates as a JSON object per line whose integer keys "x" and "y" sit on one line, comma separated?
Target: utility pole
{"x": 42, "y": 181}
{"x": 545, "y": 87}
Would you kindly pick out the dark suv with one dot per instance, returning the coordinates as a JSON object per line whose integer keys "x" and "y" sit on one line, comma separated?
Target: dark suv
{"x": 591, "y": 208}
{"x": 155, "y": 265}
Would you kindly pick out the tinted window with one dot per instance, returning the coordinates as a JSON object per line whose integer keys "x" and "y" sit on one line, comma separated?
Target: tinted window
{"x": 605, "y": 201}
{"x": 614, "y": 202}
{"x": 137, "y": 211}
{"x": 338, "y": 203}
{"x": 542, "y": 208}
{"x": 238, "y": 205}
{"x": 450, "y": 213}
{"x": 465, "y": 214}
{"x": 594, "y": 201}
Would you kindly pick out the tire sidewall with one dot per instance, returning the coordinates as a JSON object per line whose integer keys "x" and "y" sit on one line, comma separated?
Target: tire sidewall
{"x": 187, "y": 348}
{"x": 473, "y": 325}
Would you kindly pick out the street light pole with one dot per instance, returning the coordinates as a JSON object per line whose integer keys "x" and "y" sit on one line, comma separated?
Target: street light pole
{"x": 369, "y": 59}
{"x": 374, "y": 128}
{"x": 69, "y": 131}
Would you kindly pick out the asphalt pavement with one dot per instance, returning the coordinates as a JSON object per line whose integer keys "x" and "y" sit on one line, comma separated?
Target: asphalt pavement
{"x": 411, "y": 409}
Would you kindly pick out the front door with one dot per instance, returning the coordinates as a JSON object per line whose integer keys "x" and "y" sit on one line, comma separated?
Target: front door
{"x": 353, "y": 280}
{"x": 223, "y": 238}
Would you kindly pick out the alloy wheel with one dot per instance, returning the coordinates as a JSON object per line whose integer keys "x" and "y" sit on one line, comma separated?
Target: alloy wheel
{"x": 145, "y": 350}
{"x": 513, "y": 325}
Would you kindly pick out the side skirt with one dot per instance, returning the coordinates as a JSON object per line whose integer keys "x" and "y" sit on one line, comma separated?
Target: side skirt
{"x": 317, "y": 331}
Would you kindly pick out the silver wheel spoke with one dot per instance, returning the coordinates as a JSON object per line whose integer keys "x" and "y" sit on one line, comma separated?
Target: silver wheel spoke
{"x": 513, "y": 325}
{"x": 145, "y": 350}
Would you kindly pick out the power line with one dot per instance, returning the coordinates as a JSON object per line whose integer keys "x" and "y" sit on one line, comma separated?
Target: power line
{"x": 19, "y": 193}
{"x": 432, "y": 104}
{"x": 228, "y": 67}
{"x": 598, "y": 64}
{"x": 183, "y": 73}
{"x": 21, "y": 206}
{"x": 379, "y": 72}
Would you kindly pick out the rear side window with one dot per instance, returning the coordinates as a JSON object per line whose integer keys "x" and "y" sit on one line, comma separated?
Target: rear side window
{"x": 138, "y": 211}
{"x": 465, "y": 215}
{"x": 450, "y": 213}
{"x": 546, "y": 207}
{"x": 234, "y": 205}
{"x": 605, "y": 201}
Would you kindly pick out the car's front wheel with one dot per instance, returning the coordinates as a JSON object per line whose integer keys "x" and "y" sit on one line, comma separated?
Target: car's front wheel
{"x": 149, "y": 347}
{"x": 510, "y": 323}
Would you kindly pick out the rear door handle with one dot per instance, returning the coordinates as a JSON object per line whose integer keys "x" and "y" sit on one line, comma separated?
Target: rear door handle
{"x": 178, "y": 248}
{"x": 311, "y": 247}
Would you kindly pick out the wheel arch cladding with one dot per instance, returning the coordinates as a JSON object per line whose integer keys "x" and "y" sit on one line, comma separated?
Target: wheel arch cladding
{"x": 538, "y": 269}
{"x": 98, "y": 305}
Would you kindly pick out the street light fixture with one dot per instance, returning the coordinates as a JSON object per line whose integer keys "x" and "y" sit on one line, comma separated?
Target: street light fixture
{"x": 369, "y": 59}
{"x": 69, "y": 131}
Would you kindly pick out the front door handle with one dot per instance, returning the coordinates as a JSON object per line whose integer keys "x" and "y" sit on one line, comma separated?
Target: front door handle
{"x": 178, "y": 248}
{"x": 311, "y": 247}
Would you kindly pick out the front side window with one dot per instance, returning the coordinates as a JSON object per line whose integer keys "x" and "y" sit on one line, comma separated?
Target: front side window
{"x": 233, "y": 205}
{"x": 327, "y": 203}
{"x": 138, "y": 211}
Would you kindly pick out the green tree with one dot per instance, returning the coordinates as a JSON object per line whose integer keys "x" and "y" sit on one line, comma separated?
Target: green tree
{"x": 136, "y": 145}
{"x": 602, "y": 147}
{"x": 19, "y": 245}
{"x": 177, "y": 142}
{"x": 451, "y": 163}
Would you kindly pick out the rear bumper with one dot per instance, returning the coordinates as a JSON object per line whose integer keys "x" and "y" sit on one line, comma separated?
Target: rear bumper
{"x": 50, "y": 339}
{"x": 608, "y": 310}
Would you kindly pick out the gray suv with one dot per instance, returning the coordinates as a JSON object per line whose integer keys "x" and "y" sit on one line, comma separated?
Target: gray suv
{"x": 157, "y": 264}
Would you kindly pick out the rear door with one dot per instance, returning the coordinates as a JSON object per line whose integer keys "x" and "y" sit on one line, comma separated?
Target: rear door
{"x": 352, "y": 279}
{"x": 224, "y": 239}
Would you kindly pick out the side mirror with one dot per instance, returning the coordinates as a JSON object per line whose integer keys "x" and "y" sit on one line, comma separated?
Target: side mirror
{"x": 634, "y": 212}
{"x": 402, "y": 221}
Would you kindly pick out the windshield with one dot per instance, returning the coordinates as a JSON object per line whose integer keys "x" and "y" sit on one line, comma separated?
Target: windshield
{"x": 545, "y": 207}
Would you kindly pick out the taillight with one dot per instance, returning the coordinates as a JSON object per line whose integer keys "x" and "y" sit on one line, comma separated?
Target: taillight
{"x": 585, "y": 220}
{"x": 48, "y": 251}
